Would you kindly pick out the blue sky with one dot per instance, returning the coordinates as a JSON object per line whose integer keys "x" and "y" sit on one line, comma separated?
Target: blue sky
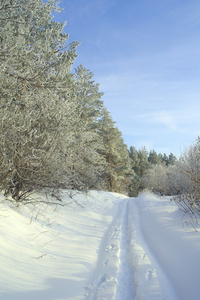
{"x": 146, "y": 56}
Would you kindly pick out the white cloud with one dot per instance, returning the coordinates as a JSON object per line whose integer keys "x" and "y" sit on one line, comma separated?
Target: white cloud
{"x": 166, "y": 119}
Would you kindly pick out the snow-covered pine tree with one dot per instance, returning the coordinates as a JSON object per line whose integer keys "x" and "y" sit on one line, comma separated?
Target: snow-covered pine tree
{"x": 143, "y": 161}
{"x": 118, "y": 174}
{"x": 134, "y": 159}
{"x": 136, "y": 183}
{"x": 153, "y": 157}
{"x": 35, "y": 106}
{"x": 86, "y": 163}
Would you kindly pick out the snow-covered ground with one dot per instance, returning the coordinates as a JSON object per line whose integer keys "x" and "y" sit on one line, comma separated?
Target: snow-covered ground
{"x": 98, "y": 246}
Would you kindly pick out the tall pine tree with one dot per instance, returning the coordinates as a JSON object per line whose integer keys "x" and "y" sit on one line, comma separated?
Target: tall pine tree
{"x": 118, "y": 174}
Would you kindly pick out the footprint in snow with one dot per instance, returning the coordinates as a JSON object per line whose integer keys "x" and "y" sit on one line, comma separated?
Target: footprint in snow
{"x": 111, "y": 247}
{"x": 150, "y": 273}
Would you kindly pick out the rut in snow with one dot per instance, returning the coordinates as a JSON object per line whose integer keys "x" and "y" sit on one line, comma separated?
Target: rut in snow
{"x": 113, "y": 278}
{"x": 126, "y": 287}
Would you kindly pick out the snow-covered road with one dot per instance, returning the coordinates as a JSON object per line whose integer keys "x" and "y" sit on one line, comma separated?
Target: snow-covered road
{"x": 127, "y": 268}
{"x": 109, "y": 247}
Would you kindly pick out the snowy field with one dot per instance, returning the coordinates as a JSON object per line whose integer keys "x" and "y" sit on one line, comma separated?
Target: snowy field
{"x": 102, "y": 246}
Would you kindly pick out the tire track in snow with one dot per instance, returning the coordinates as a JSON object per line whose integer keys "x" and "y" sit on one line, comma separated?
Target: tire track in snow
{"x": 150, "y": 278}
{"x": 104, "y": 277}
{"x": 113, "y": 277}
{"x": 126, "y": 286}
